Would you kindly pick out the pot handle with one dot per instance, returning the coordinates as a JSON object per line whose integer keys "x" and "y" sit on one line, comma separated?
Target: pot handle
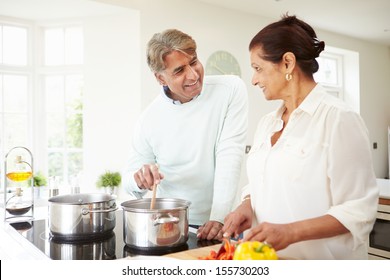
{"x": 164, "y": 220}
{"x": 86, "y": 211}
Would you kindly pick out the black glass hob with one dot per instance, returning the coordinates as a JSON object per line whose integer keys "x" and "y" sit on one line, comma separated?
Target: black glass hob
{"x": 109, "y": 247}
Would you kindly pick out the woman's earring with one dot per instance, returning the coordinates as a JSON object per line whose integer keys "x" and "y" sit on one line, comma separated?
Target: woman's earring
{"x": 288, "y": 77}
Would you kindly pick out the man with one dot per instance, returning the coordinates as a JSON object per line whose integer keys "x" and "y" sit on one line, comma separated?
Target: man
{"x": 190, "y": 140}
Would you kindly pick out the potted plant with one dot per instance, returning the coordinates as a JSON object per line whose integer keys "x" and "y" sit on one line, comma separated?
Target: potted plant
{"x": 40, "y": 180}
{"x": 110, "y": 181}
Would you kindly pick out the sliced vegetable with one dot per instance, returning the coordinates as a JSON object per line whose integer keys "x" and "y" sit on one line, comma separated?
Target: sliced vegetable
{"x": 226, "y": 255}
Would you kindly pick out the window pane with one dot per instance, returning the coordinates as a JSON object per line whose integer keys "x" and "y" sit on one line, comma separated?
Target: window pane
{"x": 15, "y": 130}
{"x": 54, "y": 91}
{"x": 74, "y": 109}
{"x": 56, "y": 166}
{"x": 55, "y": 130}
{"x": 74, "y": 84}
{"x": 54, "y": 46}
{"x": 327, "y": 72}
{"x": 75, "y": 131}
{"x": 75, "y": 163}
{"x": 15, "y": 93}
{"x": 73, "y": 45}
{"x": 14, "y": 45}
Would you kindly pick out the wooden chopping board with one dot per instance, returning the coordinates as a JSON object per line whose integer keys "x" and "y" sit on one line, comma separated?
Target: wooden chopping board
{"x": 194, "y": 254}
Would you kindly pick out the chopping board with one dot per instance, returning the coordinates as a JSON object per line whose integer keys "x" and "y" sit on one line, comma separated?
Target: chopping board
{"x": 194, "y": 254}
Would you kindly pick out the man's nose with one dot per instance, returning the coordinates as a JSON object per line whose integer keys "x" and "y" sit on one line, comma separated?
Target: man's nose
{"x": 191, "y": 73}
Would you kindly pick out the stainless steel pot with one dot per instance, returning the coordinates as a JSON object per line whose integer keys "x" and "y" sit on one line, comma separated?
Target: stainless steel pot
{"x": 80, "y": 216}
{"x": 165, "y": 226}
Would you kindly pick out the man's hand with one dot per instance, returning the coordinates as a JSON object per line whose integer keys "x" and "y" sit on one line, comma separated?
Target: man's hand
{"x": 210, "y": 230}
{"x": 147, "y": 176}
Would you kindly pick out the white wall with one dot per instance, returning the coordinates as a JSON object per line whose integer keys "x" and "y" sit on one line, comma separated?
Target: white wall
{"x": 112, "y": 95}
{"x": 215, "y": 28}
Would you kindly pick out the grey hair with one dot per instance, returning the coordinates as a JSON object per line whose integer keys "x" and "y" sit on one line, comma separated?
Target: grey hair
{"x": 162, "y": 44}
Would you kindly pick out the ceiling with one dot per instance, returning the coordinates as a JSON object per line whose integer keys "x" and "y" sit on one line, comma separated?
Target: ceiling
{"x": 364, "y": 19}
{"x": 54, "y": 9}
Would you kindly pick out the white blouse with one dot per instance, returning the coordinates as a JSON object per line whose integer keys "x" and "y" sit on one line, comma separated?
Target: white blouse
{"x": 320, "y": 165}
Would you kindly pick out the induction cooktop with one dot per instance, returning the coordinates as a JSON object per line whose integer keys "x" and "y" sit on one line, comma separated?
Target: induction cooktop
{"x": 109, "y": 247}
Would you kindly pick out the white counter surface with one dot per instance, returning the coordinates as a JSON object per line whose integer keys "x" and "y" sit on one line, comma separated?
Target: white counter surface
{"x": 14, "y": 246}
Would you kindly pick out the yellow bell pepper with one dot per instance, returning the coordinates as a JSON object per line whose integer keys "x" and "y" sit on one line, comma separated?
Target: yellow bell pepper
{"x": 254, "y": 250}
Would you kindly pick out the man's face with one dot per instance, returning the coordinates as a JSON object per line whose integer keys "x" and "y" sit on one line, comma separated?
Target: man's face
{"x": 183, "y": 75}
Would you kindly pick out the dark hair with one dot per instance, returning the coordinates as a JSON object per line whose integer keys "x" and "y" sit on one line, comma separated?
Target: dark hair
{"x": 290, "y": 35}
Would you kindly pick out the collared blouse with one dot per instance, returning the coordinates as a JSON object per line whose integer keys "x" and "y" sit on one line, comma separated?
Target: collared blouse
{"x": 321, "y": 164}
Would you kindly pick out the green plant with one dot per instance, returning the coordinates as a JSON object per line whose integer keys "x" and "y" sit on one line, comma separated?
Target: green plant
{"x": 109, "y": 179}
{"x": 39, "y": 179}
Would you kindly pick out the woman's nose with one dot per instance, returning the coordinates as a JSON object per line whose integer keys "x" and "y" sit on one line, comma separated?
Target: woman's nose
{"x": 255, "y": 81}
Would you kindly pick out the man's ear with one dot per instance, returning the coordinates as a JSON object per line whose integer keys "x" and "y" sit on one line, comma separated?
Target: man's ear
{"x": 160, "y": 78}
{"x": 289, "y": 61}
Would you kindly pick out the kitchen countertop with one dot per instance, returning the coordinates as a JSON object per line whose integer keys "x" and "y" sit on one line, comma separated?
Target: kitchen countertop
{"x": 14, "y": 246}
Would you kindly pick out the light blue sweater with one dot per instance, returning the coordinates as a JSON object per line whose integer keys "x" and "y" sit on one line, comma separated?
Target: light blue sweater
{"x": 199, "y": 147}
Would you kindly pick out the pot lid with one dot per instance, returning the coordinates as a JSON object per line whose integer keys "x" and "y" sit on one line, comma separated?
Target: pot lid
{"x": 82, "y": 198}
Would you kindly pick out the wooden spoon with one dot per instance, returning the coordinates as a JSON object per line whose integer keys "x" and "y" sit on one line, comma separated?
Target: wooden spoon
{"x": 153, "y": 201}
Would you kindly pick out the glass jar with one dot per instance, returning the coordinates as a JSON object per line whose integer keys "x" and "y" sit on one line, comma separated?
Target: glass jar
{"x": 18, "y": 187}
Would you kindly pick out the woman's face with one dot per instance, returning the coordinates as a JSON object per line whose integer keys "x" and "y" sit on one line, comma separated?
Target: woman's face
{"x": 183, "y": 75}
{"x": 270, "y": 77}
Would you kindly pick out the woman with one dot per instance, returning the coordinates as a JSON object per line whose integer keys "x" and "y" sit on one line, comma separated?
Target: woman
{"x": 312, "y": 191}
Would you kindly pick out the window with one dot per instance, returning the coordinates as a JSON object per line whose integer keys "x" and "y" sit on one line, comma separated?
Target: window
{"x": 339, "y": 74}
{"x": 330, "y": 73}
{"x": 48, "y": 91}
{"x": 64, "y": 125}
{"x": 63, "y": 46}
{"x": 13, "y": 45}
{"x": 62, "y": 85}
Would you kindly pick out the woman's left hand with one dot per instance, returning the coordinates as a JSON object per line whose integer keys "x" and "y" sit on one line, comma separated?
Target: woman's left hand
{"x": 210, "y": 230}
{"x": 279, "y": 236}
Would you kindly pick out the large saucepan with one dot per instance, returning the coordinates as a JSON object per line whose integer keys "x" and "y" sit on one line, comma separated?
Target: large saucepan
{"x": 165, "y": 226}
{"x": 82, "y": 216}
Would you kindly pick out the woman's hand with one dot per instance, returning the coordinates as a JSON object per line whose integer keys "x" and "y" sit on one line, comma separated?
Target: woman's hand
{"x": 282, "y": 235}
{"x": 147, "y": 176}
{"x": 279, "y": 236}
{"x": 238, "y": 220}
